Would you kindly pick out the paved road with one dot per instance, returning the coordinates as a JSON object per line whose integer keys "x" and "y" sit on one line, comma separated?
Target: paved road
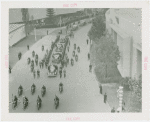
{"x": 81, "y": 92}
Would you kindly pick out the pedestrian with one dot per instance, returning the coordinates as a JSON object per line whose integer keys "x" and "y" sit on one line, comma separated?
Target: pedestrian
{"x": 38, "y": 73}
{"x": 47, "y": 32}
{"x": 105, "y": 98}
{"x": 40, "y": 64}
{"x": 113, "y": 110}
{"x": 64, "y": 73}
{"x": 34, "y": 74}
{"x": 29, "y": 60}
{"x": 10, "y": 69}
{"x": 32, "y": 63}
{"x": 42, "y": 48}
{"x": 101, "y": 89}
{"x": 90, "y": 68}
{"x": 28, "y": 47}
{"x": 19, "y": 55}
{"x": 60, "y": 73}
{"x": 68, "y": 48}
{"x": 87, "y": 41}
{"x": 88, "y": 56}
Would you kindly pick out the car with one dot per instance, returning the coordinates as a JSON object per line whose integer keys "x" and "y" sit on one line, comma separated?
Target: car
{"x": 82, "y": 23}
{"x": 56, "y": 58}
{"x": 52, "y": 70}
{"x": 59, "y": 47}
{"x": 63, "y": 40}
{"x": 74, "y": 27}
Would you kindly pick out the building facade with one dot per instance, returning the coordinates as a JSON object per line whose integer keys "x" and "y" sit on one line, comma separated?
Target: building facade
{"x": 125, "y": 27}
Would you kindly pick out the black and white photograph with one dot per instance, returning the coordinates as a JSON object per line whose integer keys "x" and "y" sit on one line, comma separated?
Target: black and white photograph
{"x": 75, "y": 60}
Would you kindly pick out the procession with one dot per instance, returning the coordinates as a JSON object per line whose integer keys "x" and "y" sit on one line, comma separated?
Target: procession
{"x": 67, "y": 68}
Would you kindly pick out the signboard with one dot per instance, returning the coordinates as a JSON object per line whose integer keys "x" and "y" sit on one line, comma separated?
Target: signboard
{"x": 120, "y": 97}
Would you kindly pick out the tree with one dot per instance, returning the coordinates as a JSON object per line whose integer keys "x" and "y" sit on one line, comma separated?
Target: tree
{"x": 108, "y": 52}
{"x": 98, "y": 28}
{"x": 136, "y": 87}
{"x": 25, "y": 19}
{"x": 50, "y": 14}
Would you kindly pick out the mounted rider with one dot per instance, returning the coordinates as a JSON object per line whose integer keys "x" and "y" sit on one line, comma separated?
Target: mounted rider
{"x": 25, "y": 100}
{"x": 60, "y": 87}
{"x": 33, "y": 86}
{"x": 56, "y": 99}
{"x": 39, "y": 100}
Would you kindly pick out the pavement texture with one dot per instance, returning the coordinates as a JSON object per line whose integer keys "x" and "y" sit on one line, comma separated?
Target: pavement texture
{"x": 81, "y": 91}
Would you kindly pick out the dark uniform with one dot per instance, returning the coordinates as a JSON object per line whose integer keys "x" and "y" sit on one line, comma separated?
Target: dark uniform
{"x": 28, "y": 47}
{"x": 19, "y": 55}
{"x": 9, "y": 69}
{"x": 90, "y": 68}
{"x": 101, "y": 89}
{"x": 88, "y": 56}
{"x": 64, "y": 73}
{"x": 87, "y": 41}
{"x": 105, "y": 98}
{"x": 38, "y": 73}
{"x": 60, "y": 86}
{"x": 60, "y": 73}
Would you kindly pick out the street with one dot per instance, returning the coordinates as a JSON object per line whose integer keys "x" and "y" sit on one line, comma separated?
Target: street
{"x": 81, "y": 90}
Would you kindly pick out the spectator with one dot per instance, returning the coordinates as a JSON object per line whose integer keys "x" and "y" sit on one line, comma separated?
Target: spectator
{"x": 10, "y": 69}
{"x": 101, "y": 89}
{"x": 105, "y": 98}
{"x": 40, "y": 64}
{"x": 42, "y": 48}
{"x": 19, "y": 55}
{"x": 90, "y": 68}
{"x": 64, "y": 73}
{"x": 28, "y": 47}
{"x": 88, "y": 56}
{"x": 87, "y": 41}
{"x": 60, "y": 73}
{"x": 38, "y": 73}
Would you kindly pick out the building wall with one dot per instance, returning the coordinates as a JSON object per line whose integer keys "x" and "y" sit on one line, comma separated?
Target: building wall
{"x": 130, "y": 64}
{"x": 16, "y": 36}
